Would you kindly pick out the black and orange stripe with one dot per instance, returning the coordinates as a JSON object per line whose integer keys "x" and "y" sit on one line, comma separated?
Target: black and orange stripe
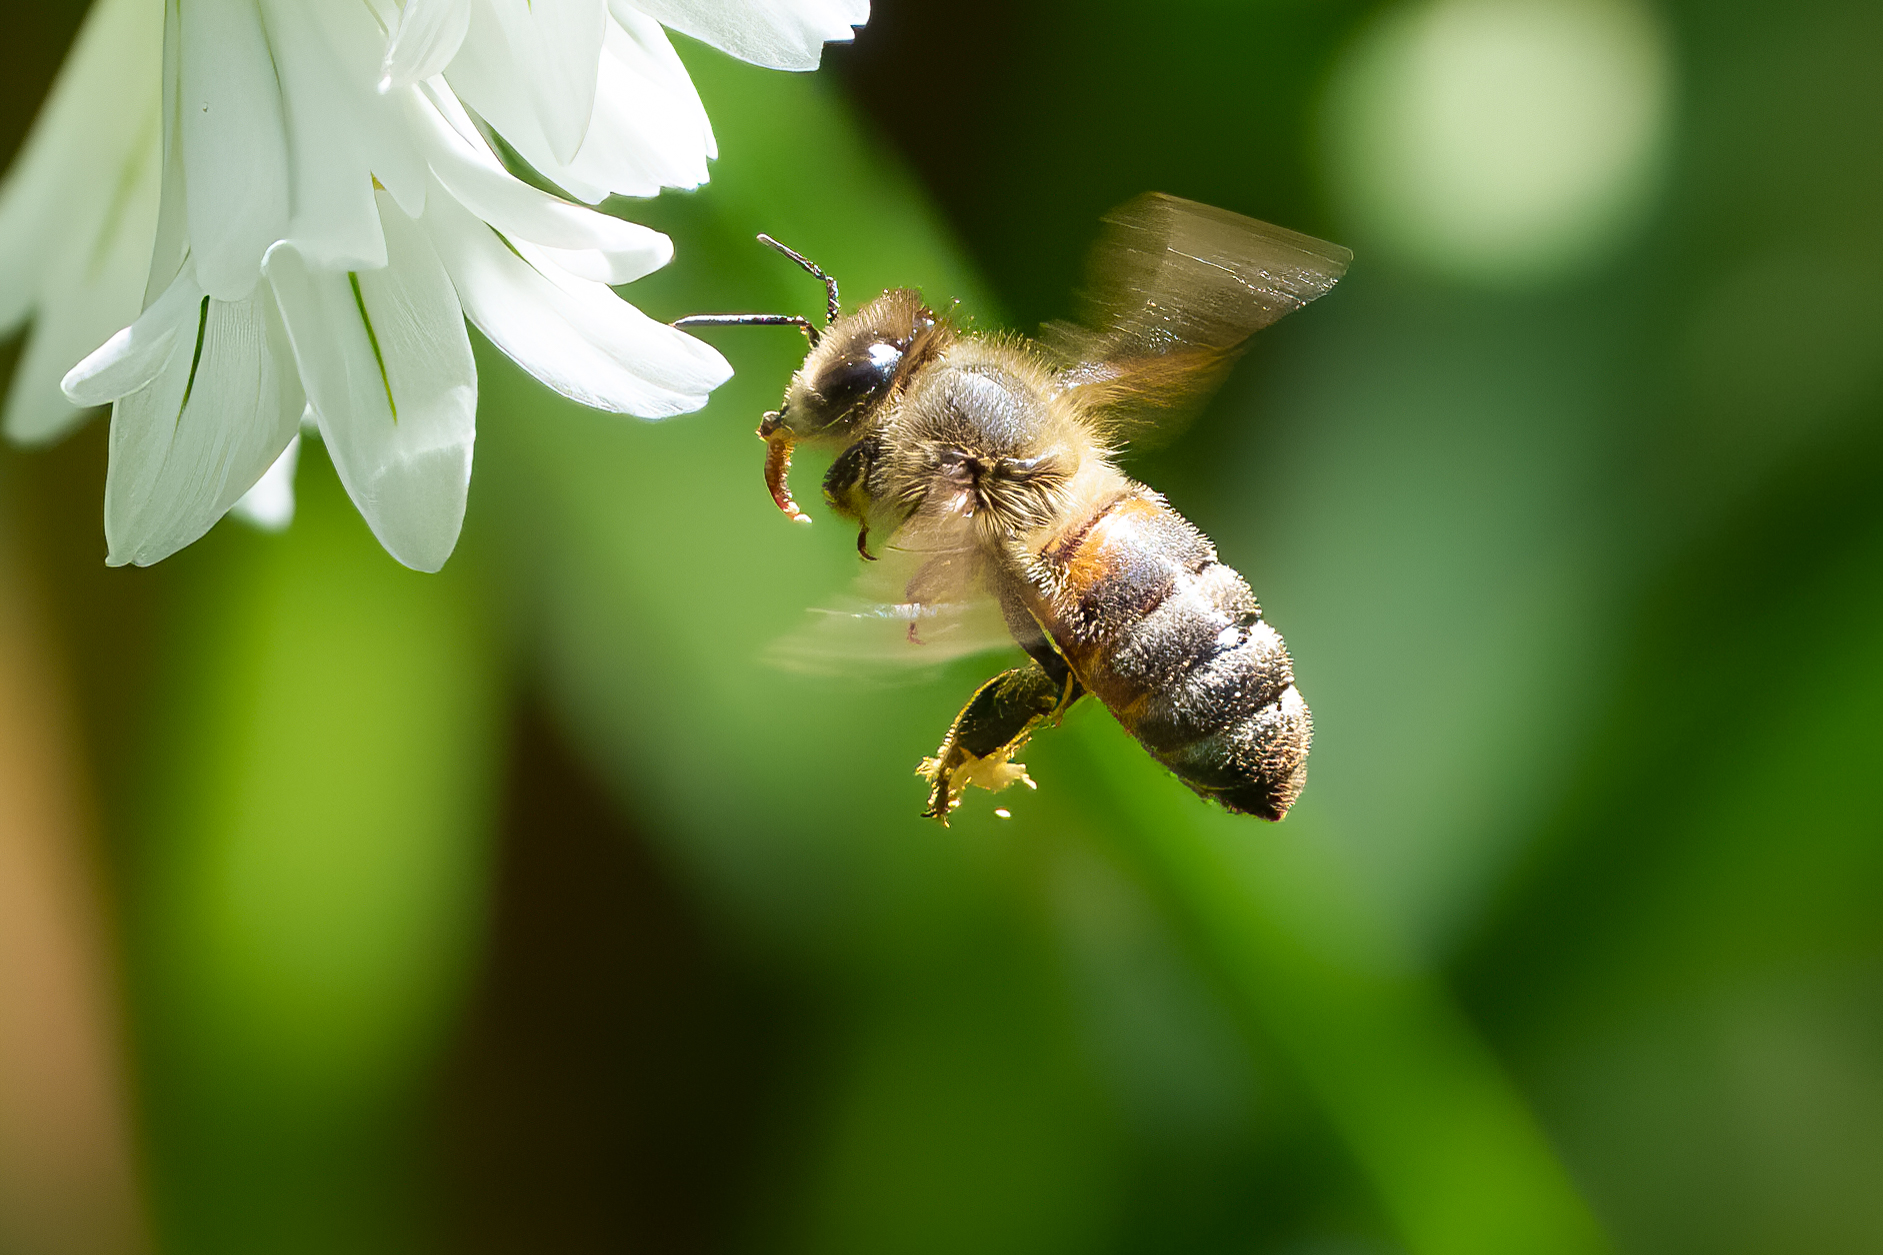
{"x": 1173, "y": 642}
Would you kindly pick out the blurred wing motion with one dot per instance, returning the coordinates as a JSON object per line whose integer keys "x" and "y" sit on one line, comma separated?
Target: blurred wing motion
{"x": 1173, "y": 291}
{"x": 923, "y": 603}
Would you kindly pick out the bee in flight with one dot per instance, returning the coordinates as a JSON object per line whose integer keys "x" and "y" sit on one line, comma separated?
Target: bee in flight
{"x": 987, "y": 464}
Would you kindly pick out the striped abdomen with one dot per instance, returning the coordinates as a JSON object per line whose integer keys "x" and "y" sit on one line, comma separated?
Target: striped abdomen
{"x": 1173, "y": 642}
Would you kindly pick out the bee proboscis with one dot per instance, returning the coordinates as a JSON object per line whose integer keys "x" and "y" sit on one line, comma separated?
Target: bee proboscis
{"x": 989, "y": 463}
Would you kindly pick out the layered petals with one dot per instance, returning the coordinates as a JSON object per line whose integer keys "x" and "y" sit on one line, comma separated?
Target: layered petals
{"x": 343, "y": 135}
{"x": 529, "y": 70}
{"x": 185, "y": 446}
{"x": 649, "y": 127}
{"x": 572, "y": 334}
{"x": 467, "y": 169}
{"x": 235, "y": 143}
{"x": 425, "y": 37}
{"x": 138, "y": 354}
{"x": 75, "y": 236}
{"x": 306, "y": 201}
{"x": 97, "y": 290}
{"x": 780, "y": 34}
{"x": 389, "y": 374}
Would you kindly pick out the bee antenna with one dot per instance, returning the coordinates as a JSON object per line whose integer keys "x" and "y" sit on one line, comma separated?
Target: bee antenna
{"x": 830, "y": 284}
{"x": 811, "y": 333}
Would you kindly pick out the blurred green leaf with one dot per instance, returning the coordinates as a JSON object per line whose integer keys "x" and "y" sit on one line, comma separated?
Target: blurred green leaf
{"x": 312, "y": 852}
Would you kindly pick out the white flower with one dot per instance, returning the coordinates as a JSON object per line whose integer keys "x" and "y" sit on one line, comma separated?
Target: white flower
{"x": 300, "y": 198}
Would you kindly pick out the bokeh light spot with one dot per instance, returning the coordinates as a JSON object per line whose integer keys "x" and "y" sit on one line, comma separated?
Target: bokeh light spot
{"x": 1501, "y": 141}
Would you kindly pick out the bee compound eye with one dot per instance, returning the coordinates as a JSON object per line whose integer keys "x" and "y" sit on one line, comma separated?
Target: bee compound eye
{"x": 857, "y": 378}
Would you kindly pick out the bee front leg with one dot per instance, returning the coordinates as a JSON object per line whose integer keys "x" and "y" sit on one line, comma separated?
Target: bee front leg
{"x": 990, "y": 729}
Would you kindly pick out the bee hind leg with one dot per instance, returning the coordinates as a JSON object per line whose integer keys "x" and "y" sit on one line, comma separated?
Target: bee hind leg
{"x": 990, "y": 729}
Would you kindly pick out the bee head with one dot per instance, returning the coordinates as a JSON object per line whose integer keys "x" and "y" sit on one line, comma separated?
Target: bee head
{"x": 853, "y": 366}
{"x": 852, "y": 369}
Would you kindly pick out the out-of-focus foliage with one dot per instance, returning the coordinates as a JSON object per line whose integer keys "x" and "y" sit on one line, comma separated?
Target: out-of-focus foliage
{"x": 524, "y": 908}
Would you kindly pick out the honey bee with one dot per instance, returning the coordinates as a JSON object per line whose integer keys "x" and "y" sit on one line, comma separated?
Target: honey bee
{"x": 989, "y": 462}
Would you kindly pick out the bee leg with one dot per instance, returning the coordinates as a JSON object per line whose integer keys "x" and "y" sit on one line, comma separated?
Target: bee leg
{"x": 844, "y": 487}
{"x": 990, "y": 729}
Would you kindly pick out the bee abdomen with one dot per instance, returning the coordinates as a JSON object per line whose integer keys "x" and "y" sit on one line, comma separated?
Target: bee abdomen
{"x": 1173, "y": 642}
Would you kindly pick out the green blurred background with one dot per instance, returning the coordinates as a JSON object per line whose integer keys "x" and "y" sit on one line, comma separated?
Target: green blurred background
{"x": 521, "y": 908}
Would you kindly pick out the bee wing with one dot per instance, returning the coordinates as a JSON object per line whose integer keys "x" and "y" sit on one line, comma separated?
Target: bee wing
{"x": 1173, "y": 291}
{"x": 923, "y": 603}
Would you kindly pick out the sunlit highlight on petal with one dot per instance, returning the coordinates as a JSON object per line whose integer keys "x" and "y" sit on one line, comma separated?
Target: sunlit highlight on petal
{"x": 308, "y": 212}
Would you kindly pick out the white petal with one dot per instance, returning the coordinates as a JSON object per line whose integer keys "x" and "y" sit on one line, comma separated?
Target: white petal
{"x": 185, "y": 447}
{"x": 385, "y": 14}
{"x": 529, "y": 70}
{"x": 89, "y": 293}
{"x": 579, "y": 338}
{"x": 486, "y": 76}
{"x": 332, "y": 220}
{"x": 354, "y": 40}
{"x": 611, "y": 268}
{"x": 652, "y": 54}
{"x": 171, "y": 249}
{"x": 78, "y": 211}
{"x": 69, "y": 180}
{"x": 571, "y": 39}
{"x": 234, "y": 144}
{"x": 426, "y": 38}
{"x": 134, "y": 357}
{"x": 650, "y": 130}
{"x": 389, "y": 374}
{"x": 780, "y": 34}
{"x": 269, "y": 505}
{"x": 37, "y": 412}
{"x": 614, "y": 250}
{"x": 93, "y": 304}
